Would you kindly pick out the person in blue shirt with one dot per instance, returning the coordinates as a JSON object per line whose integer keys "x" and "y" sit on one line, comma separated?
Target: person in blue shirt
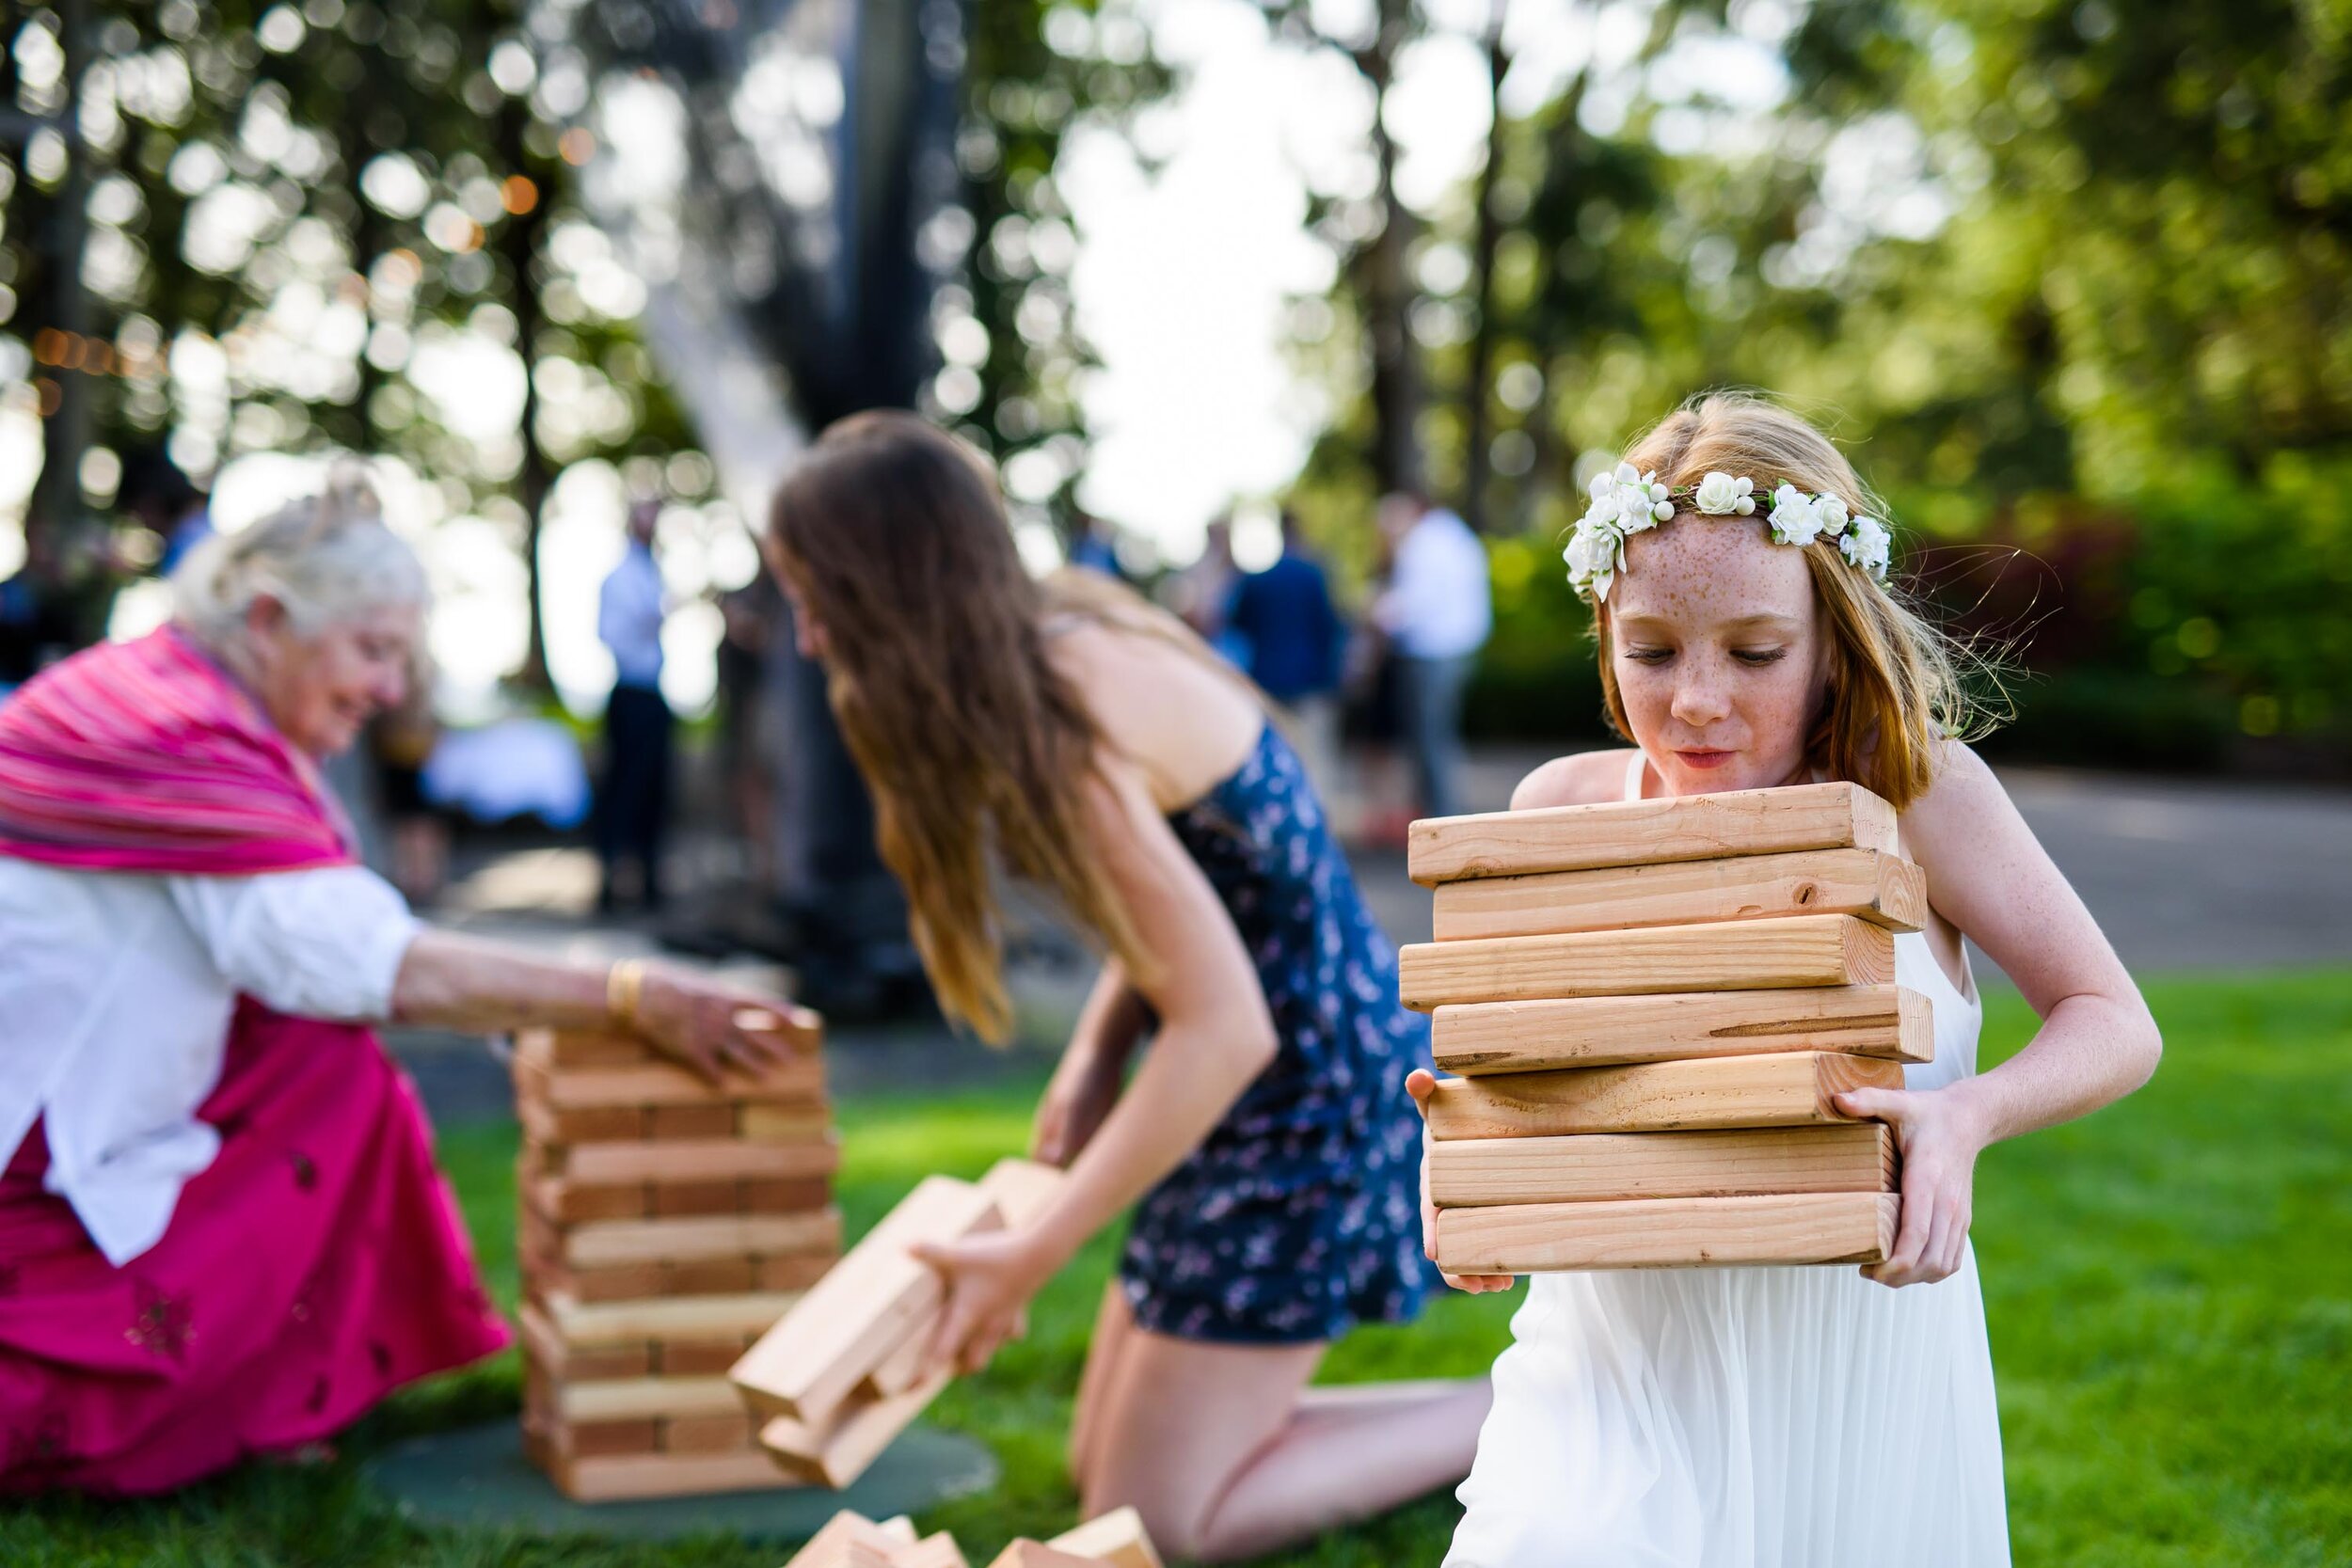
{"x": 1285, "y": 617}
{"x": 168, "y": 504}
{"x": 633, "y": 801}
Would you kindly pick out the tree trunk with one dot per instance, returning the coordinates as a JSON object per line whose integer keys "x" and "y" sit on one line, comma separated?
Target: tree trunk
{"x": 1385, "y": 268}
{"x": 1477, "y": 389}
{"x": 518, "y": 243}
{"x": 61, "y": 235}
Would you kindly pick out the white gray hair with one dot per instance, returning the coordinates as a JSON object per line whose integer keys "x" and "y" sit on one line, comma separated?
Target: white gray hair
{"x": 323, "y": 557}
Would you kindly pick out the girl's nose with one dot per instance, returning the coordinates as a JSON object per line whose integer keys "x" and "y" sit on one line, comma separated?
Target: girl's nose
{"x": 1699, "y": 701}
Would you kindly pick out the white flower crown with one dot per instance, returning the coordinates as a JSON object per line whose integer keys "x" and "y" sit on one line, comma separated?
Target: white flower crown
{"x": 1626, "y": 502}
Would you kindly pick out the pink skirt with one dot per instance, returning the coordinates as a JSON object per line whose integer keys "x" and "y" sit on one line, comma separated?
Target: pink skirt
{"x": 315, "y": 1266}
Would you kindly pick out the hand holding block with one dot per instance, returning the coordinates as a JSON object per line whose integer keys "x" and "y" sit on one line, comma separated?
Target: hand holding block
{"x": 1793, "y": 1088}
{"x": 1473, "y": 1173}
{"x": 1640, "y": 832}
{"x": 1117, "y": 1537}
{"x": 1871, "y": 884}
{"x": 1746, "y": 954}
{"x": 1496, "y": 1037}
{"x": 1668, "y": 1232}
{"x": 1022, "y": 1189}
{"x": 859, "y": 1311}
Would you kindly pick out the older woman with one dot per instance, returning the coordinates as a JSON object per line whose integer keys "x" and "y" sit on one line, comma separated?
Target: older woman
{"x": 221, "y": 1232}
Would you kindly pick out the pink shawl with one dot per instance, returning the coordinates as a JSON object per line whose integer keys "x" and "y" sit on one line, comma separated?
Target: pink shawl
{"x": 147, "y": 756}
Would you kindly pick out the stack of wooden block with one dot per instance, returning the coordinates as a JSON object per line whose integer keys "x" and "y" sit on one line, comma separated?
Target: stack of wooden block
{"x": 666, "y": 1222}
{"x": 844, "y": 1372}
{"x": 852, "y": 1540}
{"x": 1650, "y": 1004}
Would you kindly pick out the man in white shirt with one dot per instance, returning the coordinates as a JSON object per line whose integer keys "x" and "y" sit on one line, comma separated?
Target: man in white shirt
{"x": 1437, "y": 610}
{"x": 633, "y": 803}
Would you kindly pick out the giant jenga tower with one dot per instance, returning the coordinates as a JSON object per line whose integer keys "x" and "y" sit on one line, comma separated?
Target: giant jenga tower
{"x": 1651, "y": 1004}
{"x": 666, "y": 1222}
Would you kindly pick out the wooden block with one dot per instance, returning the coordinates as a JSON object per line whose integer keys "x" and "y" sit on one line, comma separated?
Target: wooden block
{"x": 1036, "y": 1554}
{"x": 1022, "y": 1188}
{"x": 762, "y": 1122}
{"x": 664, "y": 1475}
{"x": 684, "y": 1198}
{"x": 902, "y": 1368}
{"x": 932, "y": 1551}
{"x": 835, "y": 1452}
{"x": 1790, "y": 1088}
{"x": 686, "y": 1318}
{"x": 722, "y": 1159}
{"x": 849, "y": 1538}
{"x": 697, "y": 1122}
{"x": 543, "y": 1342}
{"x": 1592, "y": 1031}
{"x": 795, "y": 1272}
{"x": 705, "y": 1276}
{"x": 800, "y": 1081}
{"x": 681, "y": 1359}
{"x": 645, "y": 1398}
{"x": 577, "y": 1047}
{"x": 1668, "y": 1232}
{"x": 1474, "y": 1173}
{"x": 603, "y": 1439}
{"x": 549, "y": 1128}
{"x": 1747, "y": 954}
{"x": 734, "y": 1236}
{"x": 573, "y": 1203}
{"x": 787, "y": 1197}
{"x": 1871, "y": 884}
{"x": 1117, "y": 1537}
{"x": 706, "y": 1433}
{"x": 804, "y": 1366}
{"x": 1641, "y": 832}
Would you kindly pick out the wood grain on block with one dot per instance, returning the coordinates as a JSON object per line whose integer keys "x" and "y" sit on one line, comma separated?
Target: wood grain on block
{"x": 1641, "y": 832}
{"x": 822, "y": 1350}
{"x": 1472, "y": 1173}
{"x": 1668, "y": 1232}
{"x": 1745, "y": 954}
{"x": 724, "y": 1236}
{"x": 1791, "y": 1088}
{"x": 700, "y": 1160}
{"x": 634, "y": 1398}
{"x": 664, "y": 1475}
{"x": 678, "y": 1318}
{"x": 1871, "y": 884}
{"x": 797, "y": 1080}
{"x": 1117, "y": 1537}
{"x": 849, "y": 1538}
{"x": 1036, "y": 1554}
{"x": 1480, "y": 1037}
{"x": 838, "y": 1450}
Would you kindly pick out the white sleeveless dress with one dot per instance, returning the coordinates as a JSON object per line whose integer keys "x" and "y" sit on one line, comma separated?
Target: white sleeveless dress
{"x": 1748, "y": 1417}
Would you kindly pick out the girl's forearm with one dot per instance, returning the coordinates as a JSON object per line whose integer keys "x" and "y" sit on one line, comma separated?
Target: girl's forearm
{"x": 2091, "y": 1051}
{"x": 1189, "y": 1079}
{"x": 1115, "y": 1016}
{"x": 448, "y": 981}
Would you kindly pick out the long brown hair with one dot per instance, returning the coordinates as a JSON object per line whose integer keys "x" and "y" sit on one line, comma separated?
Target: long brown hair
{"x": 1895, "y": 688}
{"x": 895, "y": 537}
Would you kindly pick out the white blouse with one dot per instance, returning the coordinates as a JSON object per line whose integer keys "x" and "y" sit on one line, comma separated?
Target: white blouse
{"x": 115, "y": 992}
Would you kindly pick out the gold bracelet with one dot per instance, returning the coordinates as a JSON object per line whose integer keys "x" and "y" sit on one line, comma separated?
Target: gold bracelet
{"x": 624, "y": 984}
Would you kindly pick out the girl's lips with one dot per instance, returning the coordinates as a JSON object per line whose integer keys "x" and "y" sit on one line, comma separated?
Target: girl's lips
{"x": 1705, "y": 759}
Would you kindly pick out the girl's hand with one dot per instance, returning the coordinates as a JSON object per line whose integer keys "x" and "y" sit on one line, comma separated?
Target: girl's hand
{"x": 1940, "y": 1140}
{"x": 990, "y": 1278}
{"x": 716, "y": 1028}
{"x": 1084, "y": 1089}
{"x": 1420, "y": 1083}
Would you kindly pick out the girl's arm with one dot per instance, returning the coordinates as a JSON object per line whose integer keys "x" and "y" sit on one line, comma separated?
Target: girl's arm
{"x": 1989, "y": 875}
{"x": 1086, "y": 1085}
{"x": 1216, "y": 1036}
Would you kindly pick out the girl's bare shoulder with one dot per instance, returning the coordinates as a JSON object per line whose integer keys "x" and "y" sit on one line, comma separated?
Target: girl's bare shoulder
{"x": 1580, "y": 779}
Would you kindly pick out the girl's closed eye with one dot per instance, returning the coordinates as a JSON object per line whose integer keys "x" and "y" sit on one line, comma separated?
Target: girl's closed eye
{"x": 1649, "y": 656}
{"x": 1759, "y": 656}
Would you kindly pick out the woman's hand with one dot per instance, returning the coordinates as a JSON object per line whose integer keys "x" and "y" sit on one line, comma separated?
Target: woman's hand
{"x": 1084, "y": 1088}
{"x": 716, "y": 1028}
{"x": 990, "y": 1278}
{"x": 1420, "y": 1083}
{"x": 1938, "y": 1133}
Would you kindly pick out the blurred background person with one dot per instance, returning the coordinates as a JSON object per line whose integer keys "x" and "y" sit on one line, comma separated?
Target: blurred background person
{"x": 1437, "y": 610}
{"x": 1285, "y": 616}
{"x": 1094, "y": 545}
{"x": 167, "y": 504}
{"x": 751, "y": 616}
{"x": 400, "y": 743}
{"x": 1202, "y": 593}
{"x": 640, "y": 730}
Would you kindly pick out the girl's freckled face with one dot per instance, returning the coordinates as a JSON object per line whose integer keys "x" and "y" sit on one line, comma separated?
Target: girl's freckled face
{"x": 1719, "y": 652}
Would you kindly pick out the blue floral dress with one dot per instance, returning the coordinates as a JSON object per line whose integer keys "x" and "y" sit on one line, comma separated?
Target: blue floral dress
{"x": 1300, "y": 1215}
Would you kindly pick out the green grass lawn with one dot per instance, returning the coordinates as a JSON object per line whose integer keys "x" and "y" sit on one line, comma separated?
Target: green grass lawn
{"x": 2170, "y": 1286}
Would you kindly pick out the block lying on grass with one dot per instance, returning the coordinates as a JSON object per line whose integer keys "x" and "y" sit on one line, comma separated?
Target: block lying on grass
{"x": 1495, "y": 1037}
{"x": 1668, "y": 1232}
{"x": 1600, "y": 1167}
{"x": 1641, "y": 832}
{"x": 1871, "y": 884}
{"x": 850, "y": 1540}
{"x": 1117, "y": 1537}
{"x": 1036, "y": 1554}
{"x": 1749, "y": 955}
{"x": 1789, "y": 1089}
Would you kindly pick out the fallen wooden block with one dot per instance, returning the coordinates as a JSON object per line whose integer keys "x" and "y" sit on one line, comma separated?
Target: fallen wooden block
{"x": 851, "y": 1539}
{"x": 1871, "y": 884}
{"x": 1668, "y": 1232}
{"x": 1117, "y": 1537}
{"x": 1858, "y": 1156}
{"x": 1789, "y": 1089}
{"x": 1036, "y": 1554}
{"x": 1752, "y": 955}
{"x": 1481, "y": 1038}
{"x": 1639, "y": 832}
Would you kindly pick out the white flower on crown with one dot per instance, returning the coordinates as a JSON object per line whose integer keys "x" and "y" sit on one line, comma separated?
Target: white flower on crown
{"x": 1832, "y": 513}
{"x": 1868, "y": 546}
{"x": 1721, "y": 496}
{"x": 1796, "y": 517}
{"x": 1596, "y": 554}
